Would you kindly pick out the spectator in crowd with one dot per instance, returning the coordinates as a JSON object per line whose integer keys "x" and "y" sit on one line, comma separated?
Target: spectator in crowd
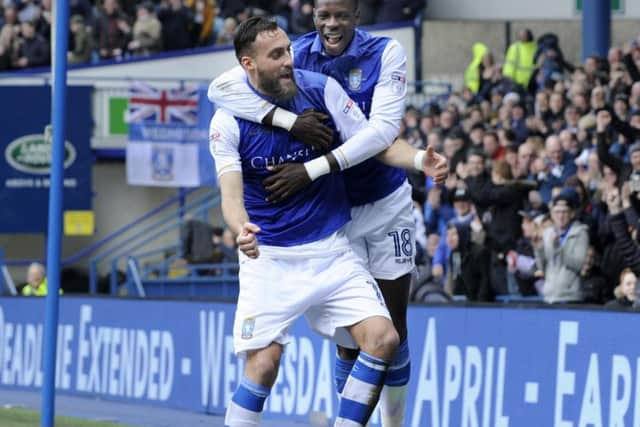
{"x": 519, "y": 64}
{"x": 521, "y": 261}
{"x": 625, "y": 292}
{"x": 558, "y": 167}
{"x": 228, "y": 32}
{"x": 468, "y": 266}
{"x": 204, "y": 14}
{"x": 147, "y": 32}
{"x": 33, "y": 49}
{"x": 561, "y": 251}
{"x": 383, "y": 11}
{"x": 9, "y": 36}
{"x": 198, "y": 244}
{"x": 177, "y": 23}
{"x": 113, "y": 30}
{"x": 301, "y": 16}
{"x": 82, "y": 46}
{"x": 36, "y": 284}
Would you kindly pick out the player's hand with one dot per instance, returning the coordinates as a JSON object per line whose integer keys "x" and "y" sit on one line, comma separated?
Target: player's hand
{"x": 247, "y": 241}
{"x": 287, "y": 179}
{"x": 435, "y": 165}
{"x": 310, "y": 129}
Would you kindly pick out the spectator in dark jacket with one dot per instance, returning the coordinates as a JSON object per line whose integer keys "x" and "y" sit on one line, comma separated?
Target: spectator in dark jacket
{"x": 34, "y": 50}
{"x": 113, "y": 31}
{"x": 503, "y": 200}
{"x": 629, "y": 249}
{"x": 559, "y": 166}
{"x": 176, "y": 25}
{"x": 468, "y": 270}
{"x": 622, "y": 169}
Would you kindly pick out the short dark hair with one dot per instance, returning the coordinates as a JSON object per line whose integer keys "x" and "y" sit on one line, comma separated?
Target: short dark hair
{"x": 354, "y": 2}
{"x": 248, "y": 31}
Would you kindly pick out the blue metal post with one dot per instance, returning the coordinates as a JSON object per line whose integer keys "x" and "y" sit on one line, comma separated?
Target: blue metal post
{"x": 596, "y": 28}
{"x": 54, "y": 242}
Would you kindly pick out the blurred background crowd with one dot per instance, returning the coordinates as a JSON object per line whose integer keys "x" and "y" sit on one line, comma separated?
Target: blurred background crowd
{"x": 543, "y": 197}
{"x": 115, "y": 29}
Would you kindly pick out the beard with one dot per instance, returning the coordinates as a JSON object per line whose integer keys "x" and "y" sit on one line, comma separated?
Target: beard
{"x": 275, "y": 88}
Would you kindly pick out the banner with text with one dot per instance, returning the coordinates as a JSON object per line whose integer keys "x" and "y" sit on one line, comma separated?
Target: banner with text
{"x": 478, "y": 367}
{"x": 25, "y": 165}
{"x": 169, "y": 137}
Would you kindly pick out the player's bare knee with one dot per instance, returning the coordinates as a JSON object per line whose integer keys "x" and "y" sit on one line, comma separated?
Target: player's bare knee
{"x": 383, "y": 341}
{"x": 264, "y": 367}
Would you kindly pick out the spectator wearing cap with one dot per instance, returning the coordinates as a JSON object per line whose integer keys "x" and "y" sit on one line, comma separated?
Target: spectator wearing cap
{"x": 558, "y": 167}
{"x": 562, "y": 251}
{"x": 147, "y": 32}
{"x": 82, "y": 43}
{"x": 521, "y": 261}
{"x": 518, "y": 122}
{"x": 467, "y": 272}
{"x": 621, "y": 107}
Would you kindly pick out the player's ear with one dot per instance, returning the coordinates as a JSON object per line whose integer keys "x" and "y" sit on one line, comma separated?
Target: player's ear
{"x": 247, "y": 63}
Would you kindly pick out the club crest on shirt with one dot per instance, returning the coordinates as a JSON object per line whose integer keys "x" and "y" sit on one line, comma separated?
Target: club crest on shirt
{"x": 248, "y": 324}
{"x": 162, "y": 163}
{"x": 355, "y": 79}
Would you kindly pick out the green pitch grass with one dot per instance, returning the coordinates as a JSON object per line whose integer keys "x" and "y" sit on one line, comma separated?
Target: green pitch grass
{"x": 18, "y": 417}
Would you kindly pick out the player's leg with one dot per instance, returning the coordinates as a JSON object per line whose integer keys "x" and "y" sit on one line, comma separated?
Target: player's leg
{"x": 355, "y": 304}
{"x": 377, "y": 340}
{"x": 394, "y": 394}
{"x": 346, "y": 356}
{"x": 260, "y": 372}
{"x": 391, "y": 251}
{"x": 260, "y": 329}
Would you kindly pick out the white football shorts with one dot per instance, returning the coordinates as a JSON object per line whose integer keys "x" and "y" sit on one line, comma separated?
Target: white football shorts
{"x": 383, "y": 234}
{"x": 325, "y": 281}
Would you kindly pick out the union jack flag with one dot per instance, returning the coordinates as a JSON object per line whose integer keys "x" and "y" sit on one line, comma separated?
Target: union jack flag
{"x": 150, "y": 105}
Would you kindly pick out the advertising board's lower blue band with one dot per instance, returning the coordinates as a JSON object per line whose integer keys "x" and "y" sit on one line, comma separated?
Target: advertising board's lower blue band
{"x": 475, "y": 367}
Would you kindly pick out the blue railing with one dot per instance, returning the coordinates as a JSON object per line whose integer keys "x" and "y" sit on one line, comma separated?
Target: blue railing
{"x": 143, "y": 238}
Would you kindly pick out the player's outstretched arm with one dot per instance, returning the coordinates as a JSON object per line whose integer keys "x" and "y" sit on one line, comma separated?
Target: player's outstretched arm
{"x": 231, "y": 91}
{"x": 402, "y": 155}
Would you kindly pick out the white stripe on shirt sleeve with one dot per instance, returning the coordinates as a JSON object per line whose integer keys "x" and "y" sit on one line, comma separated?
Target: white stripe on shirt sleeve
{"x": 224, "y": 140}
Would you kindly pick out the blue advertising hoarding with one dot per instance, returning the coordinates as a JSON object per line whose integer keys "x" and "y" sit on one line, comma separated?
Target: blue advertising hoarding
{"x": 471, "y": 366}
{"x": 26, "y": 156}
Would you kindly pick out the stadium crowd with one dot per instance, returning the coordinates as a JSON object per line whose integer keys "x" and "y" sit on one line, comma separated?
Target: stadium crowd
{"x": 116, "y": 29}
{"x": 543, "y": 198}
